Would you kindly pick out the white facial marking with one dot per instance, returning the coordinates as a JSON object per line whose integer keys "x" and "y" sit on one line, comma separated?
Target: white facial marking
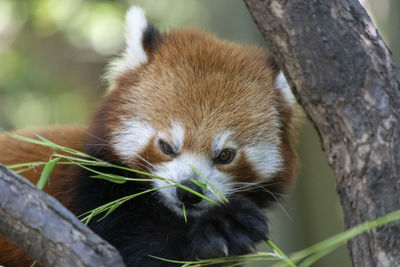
{"x": 282, "y": 84}
{"x": 220, "y": 141}
{"x": 179, "y": 170}
{"x": 178, "y": 135}
{"x": 266, "y": 158}
{"x": 134, "y": 54}
{"x": 132, "y": 138}
{"x": 175, "y": 136}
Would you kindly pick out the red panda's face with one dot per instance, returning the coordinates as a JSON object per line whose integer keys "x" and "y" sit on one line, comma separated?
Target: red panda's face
{"x": 186, "y": 106}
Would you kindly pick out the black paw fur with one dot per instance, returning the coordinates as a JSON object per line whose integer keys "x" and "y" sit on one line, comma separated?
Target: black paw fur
{"x": 229, "y": 230}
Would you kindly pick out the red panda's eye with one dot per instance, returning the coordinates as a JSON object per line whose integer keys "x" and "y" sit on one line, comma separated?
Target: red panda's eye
{"x": 166, "y": 148}
{"x": 225, "y": 156}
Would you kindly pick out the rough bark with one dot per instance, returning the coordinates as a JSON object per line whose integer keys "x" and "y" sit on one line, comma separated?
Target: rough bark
{"x": 41, "y": 226}
{"x": 343, "y": 75}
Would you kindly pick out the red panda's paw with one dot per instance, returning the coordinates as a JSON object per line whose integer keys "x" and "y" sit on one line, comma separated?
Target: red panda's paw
{"x": 229, "y": 230}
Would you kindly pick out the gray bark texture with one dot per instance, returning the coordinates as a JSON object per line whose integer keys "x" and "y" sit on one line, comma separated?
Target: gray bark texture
{"x": 343, "y": 75}
{"x": 46, "y": 230}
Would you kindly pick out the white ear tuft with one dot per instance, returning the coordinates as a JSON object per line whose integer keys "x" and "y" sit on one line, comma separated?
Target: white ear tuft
{"x": 282, "y": 84}
{"x": 134, "y": 54}
{"x": 135, "y": 26}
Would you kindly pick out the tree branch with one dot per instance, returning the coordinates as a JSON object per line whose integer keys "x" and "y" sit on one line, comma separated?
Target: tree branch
{"x": 343, "y": 75}
{"x": 41, "y": 226}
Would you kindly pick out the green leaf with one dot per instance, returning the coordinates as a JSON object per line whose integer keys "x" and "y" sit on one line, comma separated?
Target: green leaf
{"x": 48, "y": 169}
{"x": 184, "y": 212}
{"x": 112, "y": 208}
{"x": 48, "y": 142}
{"x": 200, "y": 184}
{"x": 219, "y": 195}
{"x": 29, "y": 164}
{"x": 25, "y": 139}
{"x": 282, "y": 255}
{"x": 341, "y": 238}
{"x": 114, "y": 204}
{"x": 87, "y": 219}
{"x": 316, "y": 256}
{"x": 110, "y": 178}
{"x": 196, "y": 193}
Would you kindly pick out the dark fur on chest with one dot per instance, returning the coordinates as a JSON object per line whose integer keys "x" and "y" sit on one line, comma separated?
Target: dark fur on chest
{"x": 143, "y": 226}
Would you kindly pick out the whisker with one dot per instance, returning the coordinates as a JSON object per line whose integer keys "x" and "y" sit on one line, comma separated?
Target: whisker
{"x": 258, "y": 185}
{"x": 99, "y": 145}
{"x": 98, "y": 138}
{"x": 106, "y": 143}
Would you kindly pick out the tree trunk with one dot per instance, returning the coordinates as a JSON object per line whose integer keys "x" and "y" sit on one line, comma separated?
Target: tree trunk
{"x": 343, "y": 75}
{"x": 41, "y": 226}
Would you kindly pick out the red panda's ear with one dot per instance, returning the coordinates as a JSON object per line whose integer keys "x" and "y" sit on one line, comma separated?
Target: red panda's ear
{"x": 141, "y": 38}
{"x": 282, "y": 85}
{"x": 135, "y": 26}
{"x": 141, "y": 42}
{"x": 280, "y": 82}
{"x": 152, "y": 39}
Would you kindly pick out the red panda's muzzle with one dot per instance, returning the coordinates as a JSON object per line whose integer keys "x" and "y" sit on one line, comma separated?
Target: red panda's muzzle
{"x": 187, "y": 197}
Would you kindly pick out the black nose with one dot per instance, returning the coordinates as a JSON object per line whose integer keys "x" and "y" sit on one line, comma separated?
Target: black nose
{"x": 187, "y": 197}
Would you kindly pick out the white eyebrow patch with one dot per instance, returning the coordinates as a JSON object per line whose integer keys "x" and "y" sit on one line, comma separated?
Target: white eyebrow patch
{"x": 178, "y": 135}
{"x": 282, "y": 84}
{"x": 132, "y": 138}
{"x": 220, "y": 140}
{"x": 175, "y": 135}
{"x": 266, "y": 158}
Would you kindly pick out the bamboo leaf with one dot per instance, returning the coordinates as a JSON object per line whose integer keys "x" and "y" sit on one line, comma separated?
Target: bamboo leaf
{"x": 112, "y": 208}
{"x": 212, "y": 185}
{"x": 48, "y": 142}
{"x": 282, "y": 255}
{"x": 26, "y": 139}
{"x": 48, "y": 169}
{"x": 109, "y": 178}
{"x": 196, "y": 193}
{"x": 200, "y": 184}
{"x": 184, "y": 212}
{"x": 30, "y": 164}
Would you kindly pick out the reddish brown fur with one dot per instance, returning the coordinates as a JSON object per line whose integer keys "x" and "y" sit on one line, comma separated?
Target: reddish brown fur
{"x": 291, "y": 116}
{"x": 152, "y": 154}
{"x": 14, "y": 151}
{"x": 243, "y": 171}
{"x": 232, "y": 86}
{"x": 191, "y": 67}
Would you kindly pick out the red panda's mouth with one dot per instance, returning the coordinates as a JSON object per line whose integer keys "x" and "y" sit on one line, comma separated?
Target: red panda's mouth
{"x": 190, "y": 210}
{"x": 189, "y": 207}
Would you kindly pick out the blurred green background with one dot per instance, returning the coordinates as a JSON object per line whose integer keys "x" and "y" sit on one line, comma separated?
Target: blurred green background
{"x": 53, "y": 54}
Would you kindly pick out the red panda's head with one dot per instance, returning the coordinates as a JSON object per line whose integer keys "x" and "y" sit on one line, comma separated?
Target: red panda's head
{"x": 187, "y": 100}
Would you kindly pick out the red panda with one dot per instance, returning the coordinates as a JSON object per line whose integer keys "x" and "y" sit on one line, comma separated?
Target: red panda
{"x": 177, "y": 100}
